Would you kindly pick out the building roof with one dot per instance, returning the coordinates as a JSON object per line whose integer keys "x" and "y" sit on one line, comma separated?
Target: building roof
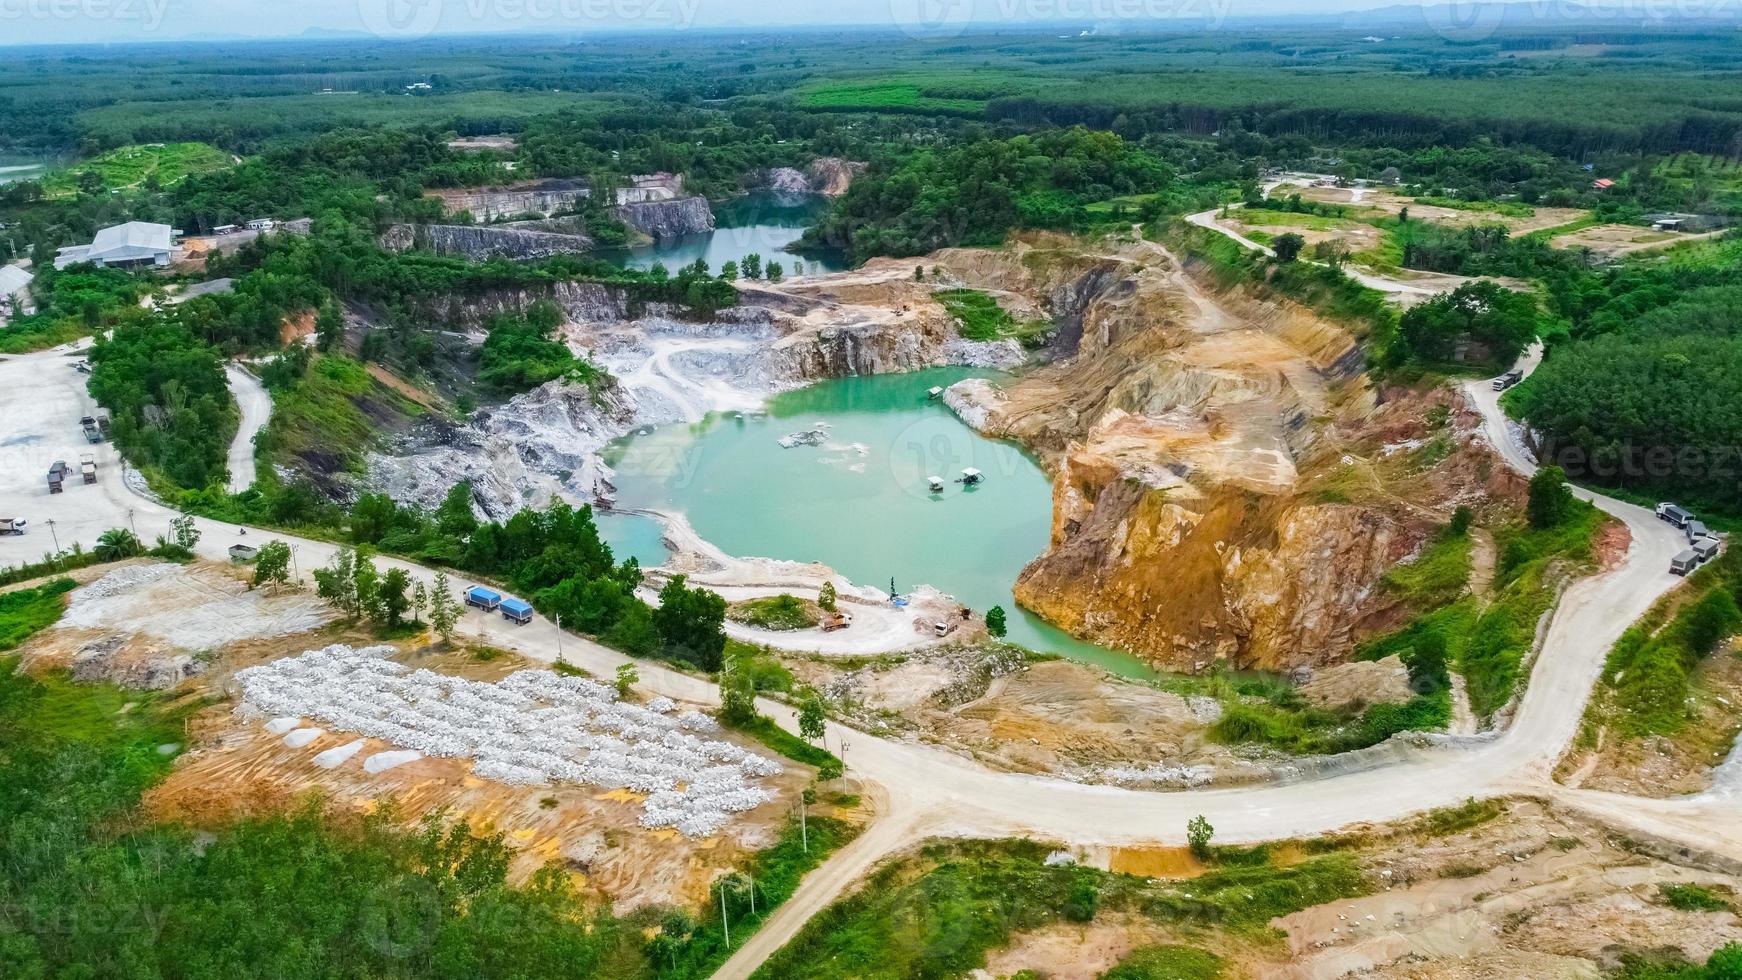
{"x": 120, "y": 243}
{"x": 13, "y": 279}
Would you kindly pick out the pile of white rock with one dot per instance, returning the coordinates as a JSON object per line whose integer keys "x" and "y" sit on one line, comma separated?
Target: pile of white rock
{"x": 532, "y": 728}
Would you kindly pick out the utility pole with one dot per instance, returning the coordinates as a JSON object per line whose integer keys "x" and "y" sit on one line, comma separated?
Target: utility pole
{"x": 295, "y": 575}
{"x": 131, "y": 523}
{"x": 55, "y": 538}
{"x": 725, "y": 925}
{"x": 559, "y": 638}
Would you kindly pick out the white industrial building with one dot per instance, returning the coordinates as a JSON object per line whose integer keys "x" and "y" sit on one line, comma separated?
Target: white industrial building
{"x": 14, "y": 291}
{"x": 136, "y": 243}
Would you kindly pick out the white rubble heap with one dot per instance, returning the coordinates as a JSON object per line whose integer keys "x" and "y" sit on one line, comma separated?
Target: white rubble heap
{"x": 531, "y": 728}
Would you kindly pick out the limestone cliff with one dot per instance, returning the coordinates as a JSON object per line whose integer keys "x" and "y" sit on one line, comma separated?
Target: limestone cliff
{"x": 480, "y": 242}
{"x": 667, "y": 219}
{"x": 1223, "y": 488}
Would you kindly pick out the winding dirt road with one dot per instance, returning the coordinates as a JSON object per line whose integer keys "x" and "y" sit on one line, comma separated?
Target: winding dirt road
{"x": 256, "y": 406}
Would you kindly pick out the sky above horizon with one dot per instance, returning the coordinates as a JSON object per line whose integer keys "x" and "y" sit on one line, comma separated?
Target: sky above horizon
{"x": 84, "y": 21}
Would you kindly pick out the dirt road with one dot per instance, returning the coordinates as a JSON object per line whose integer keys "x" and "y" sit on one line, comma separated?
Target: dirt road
{"x": 256, "y": 406}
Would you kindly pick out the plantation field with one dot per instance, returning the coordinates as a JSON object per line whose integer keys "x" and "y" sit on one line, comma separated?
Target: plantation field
{"x": 129, "y": 167}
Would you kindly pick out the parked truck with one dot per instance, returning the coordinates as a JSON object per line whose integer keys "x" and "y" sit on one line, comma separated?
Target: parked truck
{"x": 88, "y": 467}
{"x": 56, "y": 474}
{"x": 92, "y": 433}
{"x": 12, "y": 525}
{"x": 1673, "y": 514}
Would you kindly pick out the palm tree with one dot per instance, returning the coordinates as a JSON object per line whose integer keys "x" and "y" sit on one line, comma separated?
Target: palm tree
{"x": 117, "y": 543}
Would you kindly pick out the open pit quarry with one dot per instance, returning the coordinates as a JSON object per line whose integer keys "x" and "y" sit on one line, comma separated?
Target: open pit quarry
{"x": 1224, "y": 480}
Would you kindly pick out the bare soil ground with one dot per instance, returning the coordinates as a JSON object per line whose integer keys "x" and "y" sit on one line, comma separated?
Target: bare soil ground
{"x": 1531, "y": 893}
{"x": 1385, "y": 201}
{"x": 154, "y": 624}
{"x": 1615, "y": 241}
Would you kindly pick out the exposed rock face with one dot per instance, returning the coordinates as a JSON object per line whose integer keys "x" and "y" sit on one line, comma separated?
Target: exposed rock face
{"x": 579, "y": 301}
{"x": 479, "y": 242}
{"x": 538, "y": 197}
{"x": 541, "y": 445}
{"x": 831, "y": 176}
{"x": 548, "y": 196}
{"x": 667, "y": 219}
{"x": 1192, "y": 437}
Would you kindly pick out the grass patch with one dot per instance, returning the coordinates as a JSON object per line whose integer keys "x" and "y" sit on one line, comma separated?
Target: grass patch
{"x": 327, "y": 419}
{"x": 782, "y": 613}
{"x": 1167, "y": 962}
{"x": 1693, "y": 898}
{"x": 777, "y": 739}
{"x": 1438, "y": 576}
{"x": 27, "y": 612}
{"x": 938, "y": 913}
{"x": 1469, "y": 815}
{"x": 1648, "y": 675}
{"x": 979, "y": 317}
{"x": 1509, "y": 209}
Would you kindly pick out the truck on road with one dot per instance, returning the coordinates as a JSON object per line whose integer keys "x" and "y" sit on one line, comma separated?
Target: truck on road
{"x": 88, "y": 467}
{"x": 1673, "y": 514}
{"x": 92, "y": 433}
{"x": 12, "y": 525}
{"x": 1507, "y": 380}
{"x": 56, "y": 474}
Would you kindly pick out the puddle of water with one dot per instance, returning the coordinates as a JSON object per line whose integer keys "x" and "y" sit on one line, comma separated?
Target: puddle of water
{"x": 854, "y": 494}
{"x": 764, "y": 224}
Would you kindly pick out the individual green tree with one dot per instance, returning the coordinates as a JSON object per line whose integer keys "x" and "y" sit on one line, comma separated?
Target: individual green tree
{"x": 812, "y": 716}
{"x": 272, "y": 564}
{"x": 419, "y": 602}
{"x": 737, "y": 698}
{"x": 1461, "y": 520}
{"x": 368, "y": 579}
{"x": 337, "y": 583}
{"x": 692, "y": 624}
{"x": 729, "y": 271}
{"x": 919, "y": 273}
{"x": 329, "y": 327}
{"x": 775, "y": 272}
{"x": 826, "y": 596}
{"x": 1199, "y": 833}
{"x": 392, "y": 597}
{"x": 752, "y": 266}
{"x": 444, "y": 609}
{"x": 1287, "y": 246}
{"x": 183, "y": 532}
{"x": 117, "y": 543}
{"x": 1551, "y": 500}
{"x": 995, "y": 621}
{"x": 627, "y": 677}
{"x": 454, "y": 516}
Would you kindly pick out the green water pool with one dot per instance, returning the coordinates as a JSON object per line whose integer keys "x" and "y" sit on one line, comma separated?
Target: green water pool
{"x": 855, "y": 496}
